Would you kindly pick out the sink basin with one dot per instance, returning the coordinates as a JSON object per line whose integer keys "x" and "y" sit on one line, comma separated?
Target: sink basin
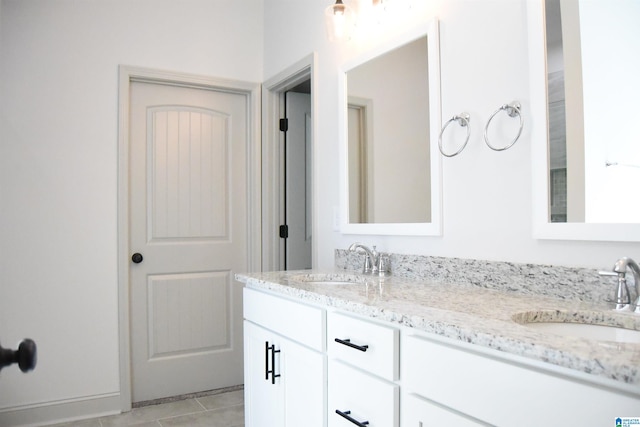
{"x": 330, "y": 282}
{"x": 330, "y": 279}
{"x": 588, "y": 331}
{"x": 592, "y": 325}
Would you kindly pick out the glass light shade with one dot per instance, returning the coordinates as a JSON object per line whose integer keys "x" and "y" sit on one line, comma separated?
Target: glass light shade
{"x": 339, "y": 20}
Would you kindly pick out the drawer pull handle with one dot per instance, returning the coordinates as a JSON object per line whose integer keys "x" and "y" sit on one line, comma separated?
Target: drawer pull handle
{"x": 272, "y": 371}
{"x": 348, "y": 343}
{"x": 346, "y": 414}
{"x": 266, "y": 360}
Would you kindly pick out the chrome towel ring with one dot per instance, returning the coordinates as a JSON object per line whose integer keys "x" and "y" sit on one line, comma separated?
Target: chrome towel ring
{"x": 463, "y": 120}
{"x": 512, "y": 110}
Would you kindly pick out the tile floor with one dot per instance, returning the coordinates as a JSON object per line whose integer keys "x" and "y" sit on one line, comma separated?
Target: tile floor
{"x": 215, "y": 410}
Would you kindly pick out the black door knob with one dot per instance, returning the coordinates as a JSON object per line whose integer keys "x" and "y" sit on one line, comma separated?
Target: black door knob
{"x": 25, "y": 356}
{"x": 137, "y": 258}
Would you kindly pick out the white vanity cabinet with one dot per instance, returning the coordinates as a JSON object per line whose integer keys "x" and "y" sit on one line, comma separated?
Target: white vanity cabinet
{"x": 309, "y": 364}
{"x": 444, "y": 380}
{"x": 285, "y": 362}
{"x": 363, "y": 365}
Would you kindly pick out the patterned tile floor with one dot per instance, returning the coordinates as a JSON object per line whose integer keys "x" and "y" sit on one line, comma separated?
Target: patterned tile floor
{"x": 215, "y": 410}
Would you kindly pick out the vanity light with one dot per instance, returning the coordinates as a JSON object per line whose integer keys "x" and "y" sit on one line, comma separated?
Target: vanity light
{"x": 342, "y": 19}
{"x": 339, "y": 20}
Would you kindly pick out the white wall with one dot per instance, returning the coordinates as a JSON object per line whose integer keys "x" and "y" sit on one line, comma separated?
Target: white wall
{"x": 487, "y": 194}
{"x": 58, "y": 167}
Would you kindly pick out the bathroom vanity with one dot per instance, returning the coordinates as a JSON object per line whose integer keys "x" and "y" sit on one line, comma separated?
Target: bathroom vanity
{"x": 338, "y": 348}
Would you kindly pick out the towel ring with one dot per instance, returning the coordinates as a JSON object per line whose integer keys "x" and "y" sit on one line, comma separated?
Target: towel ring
{"x": 512, "y": 110}
{"x": 463, "y": 120}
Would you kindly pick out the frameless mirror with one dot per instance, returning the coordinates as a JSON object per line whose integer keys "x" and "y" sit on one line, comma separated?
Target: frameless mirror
{"x": 587, "y": 152}
{"x": 391, "y": 120}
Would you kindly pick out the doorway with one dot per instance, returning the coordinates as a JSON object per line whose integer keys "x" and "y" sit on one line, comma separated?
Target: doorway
{"x": 288, "y": 184}
{"x": 188, "y": 197}
{"x": 297, "y": 237}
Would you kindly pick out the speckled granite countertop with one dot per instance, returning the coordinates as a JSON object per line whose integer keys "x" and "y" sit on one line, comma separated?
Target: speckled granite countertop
{"x": 471, "y": 314}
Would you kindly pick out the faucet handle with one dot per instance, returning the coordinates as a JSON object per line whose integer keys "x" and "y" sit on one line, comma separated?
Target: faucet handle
{"x": 623, "y": 300}
{"x": 607, "y": 273}
{"x": 383, "y": 265}
{"x": 368, "y": 264}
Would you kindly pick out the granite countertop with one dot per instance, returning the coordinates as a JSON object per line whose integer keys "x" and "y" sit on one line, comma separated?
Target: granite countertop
{"x": 470, "y": 314}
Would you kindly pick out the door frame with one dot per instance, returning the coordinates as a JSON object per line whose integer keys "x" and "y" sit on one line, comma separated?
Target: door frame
{"x": 273, "y": 93}
{"x": 251, "y": 91}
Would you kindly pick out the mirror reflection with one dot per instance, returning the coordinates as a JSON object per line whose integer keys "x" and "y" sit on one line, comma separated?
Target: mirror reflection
{"x": 388, "y": 137}
{"x": 592, "y": 93}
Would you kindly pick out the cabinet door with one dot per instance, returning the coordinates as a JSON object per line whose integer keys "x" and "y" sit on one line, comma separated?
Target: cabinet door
{"x": 418, "y": 412}
{"x": 303, "y": 372}
{"x": 295, "y": 397}
{"x": 263, "y": 400}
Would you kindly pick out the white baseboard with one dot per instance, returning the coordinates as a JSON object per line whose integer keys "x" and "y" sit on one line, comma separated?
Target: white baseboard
{"x": 61, "y": 411}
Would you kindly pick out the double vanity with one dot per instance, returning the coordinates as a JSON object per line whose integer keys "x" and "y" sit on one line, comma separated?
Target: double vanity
{"x": 342, "y": 348}
{"x": 444, "y": 341}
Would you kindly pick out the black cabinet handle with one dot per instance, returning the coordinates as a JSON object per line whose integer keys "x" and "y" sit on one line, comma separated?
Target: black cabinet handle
{"x": 348, "y": 343}
{"x": 346, "y": 415}
{"x": 272, "y": 371}
{"x": 137, "y": 258}
{"x": 266, "y": 360}
{"x": 273, "y": 364}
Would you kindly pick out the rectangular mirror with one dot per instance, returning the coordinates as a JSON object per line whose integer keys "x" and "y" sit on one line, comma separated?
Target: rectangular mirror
{"x": 586, "y": 158}
{"x": 594, "y": 151}
{"x": 391, "y": 119}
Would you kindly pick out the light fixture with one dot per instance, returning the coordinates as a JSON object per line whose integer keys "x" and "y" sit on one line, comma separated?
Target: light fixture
{"x": 339, "y": 20}
{"x": 361, "y": 15}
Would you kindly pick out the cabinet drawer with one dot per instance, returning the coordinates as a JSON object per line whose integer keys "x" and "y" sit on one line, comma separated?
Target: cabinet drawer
{"x": 362, "y": 397}
{"x": 419, "y": 412}
{"x": 364, "y": 344}
{"x": 297, "y": 321}
{"x": 501, "y": 391}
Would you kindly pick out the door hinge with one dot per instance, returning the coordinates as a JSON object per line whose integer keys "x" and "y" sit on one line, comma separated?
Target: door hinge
{"x": 284, "y": 231}
{"x": 284, "y": 125}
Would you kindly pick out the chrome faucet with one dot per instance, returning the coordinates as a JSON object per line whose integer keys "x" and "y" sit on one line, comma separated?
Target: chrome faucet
{"x": 374, "y": 263}
{"x": 370, "y": 260}
{"x": 623, "y": 299}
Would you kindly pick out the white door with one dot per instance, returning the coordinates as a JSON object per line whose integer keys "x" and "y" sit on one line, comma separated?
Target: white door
{"x": 188, "y": 220}
{"x": 298, "y": 181}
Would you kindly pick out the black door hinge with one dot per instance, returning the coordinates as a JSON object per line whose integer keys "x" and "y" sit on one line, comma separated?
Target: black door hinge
{"x": 284, "y": 231}
{"x": 284, "y": 125}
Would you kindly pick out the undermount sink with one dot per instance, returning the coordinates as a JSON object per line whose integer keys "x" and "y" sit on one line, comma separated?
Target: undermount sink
{"x": 330, "y": 282}
{"x": 588, "y": 331}
{"x": 330, "y": 279}
{"x": 596, "y": 326}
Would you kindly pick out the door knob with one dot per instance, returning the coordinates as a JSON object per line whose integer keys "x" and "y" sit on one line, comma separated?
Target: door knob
{"x": 25, "y": 356}
{"x": 137, "y": 258}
